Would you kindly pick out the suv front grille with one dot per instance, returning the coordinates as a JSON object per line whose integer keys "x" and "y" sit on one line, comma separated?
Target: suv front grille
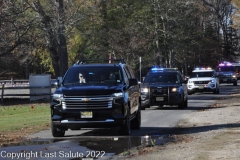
{"x": 87, "y": 102}
{"x": 200, "y": 82}
{"x": 158, "y": 91}
{"x": 225, "y": 75}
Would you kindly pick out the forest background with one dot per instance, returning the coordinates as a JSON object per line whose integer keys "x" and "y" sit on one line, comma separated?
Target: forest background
{"x": 42, "y": 36}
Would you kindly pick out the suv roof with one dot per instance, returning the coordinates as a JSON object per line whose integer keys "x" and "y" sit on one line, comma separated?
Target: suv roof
{"x": 203, "y": 69}
{"x": 101, "y": 61}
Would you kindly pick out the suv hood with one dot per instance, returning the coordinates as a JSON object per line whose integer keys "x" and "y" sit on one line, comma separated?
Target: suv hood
{"x": 225, "y": 73}
{"x": 201, "y": 79}
{"x": 89, "y": 90}
{"x": 159, "y": 85}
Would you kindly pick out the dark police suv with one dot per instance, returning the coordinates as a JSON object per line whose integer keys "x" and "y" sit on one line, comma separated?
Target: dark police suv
{"x": 228, "y": 73}
{"x": 164, "y": 86}
{"x": 96, "y": 95}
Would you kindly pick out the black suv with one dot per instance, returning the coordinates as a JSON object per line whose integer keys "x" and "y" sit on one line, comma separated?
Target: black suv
{"x": 163, "y": 86}
{"x": 109, "y": 96}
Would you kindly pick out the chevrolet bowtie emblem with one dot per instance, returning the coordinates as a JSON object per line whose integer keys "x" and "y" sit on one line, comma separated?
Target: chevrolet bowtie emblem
{"x": 85, "y": 99}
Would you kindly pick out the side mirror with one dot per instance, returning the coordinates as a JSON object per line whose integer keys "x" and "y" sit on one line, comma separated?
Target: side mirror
{"x": 133, "y": 82}
{"x": 185, "y": 81}
{"x": 56, "y": 83}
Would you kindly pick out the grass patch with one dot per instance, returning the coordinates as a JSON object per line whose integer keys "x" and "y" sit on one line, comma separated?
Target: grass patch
{"x": 15, "y": 118}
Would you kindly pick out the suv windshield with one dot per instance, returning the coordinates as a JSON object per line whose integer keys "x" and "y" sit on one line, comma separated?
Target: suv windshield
{"x": 225, "y": 69}
{"x": 93, "y": 75}
{"x": 161, "y": 78}
{"x": 202, "y": 74}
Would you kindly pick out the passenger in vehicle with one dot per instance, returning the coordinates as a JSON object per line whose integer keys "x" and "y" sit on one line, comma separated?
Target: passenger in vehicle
{"x": 81, "y": 78}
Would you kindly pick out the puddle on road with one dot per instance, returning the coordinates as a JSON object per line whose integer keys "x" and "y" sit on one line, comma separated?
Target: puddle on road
{"x": 110, "y": 145}
{"x": 120, "y": 144}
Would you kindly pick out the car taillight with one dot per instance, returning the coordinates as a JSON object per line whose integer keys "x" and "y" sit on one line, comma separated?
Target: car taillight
{"x": 236, "y": 72}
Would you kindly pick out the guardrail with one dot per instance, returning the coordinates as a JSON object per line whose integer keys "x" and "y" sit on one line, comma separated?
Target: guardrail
{"x": 12, "y": 82}
{"x": 20, "y": 85}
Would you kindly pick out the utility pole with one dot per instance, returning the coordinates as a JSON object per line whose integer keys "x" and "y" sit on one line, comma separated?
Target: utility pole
{"x": 140, "y": 68}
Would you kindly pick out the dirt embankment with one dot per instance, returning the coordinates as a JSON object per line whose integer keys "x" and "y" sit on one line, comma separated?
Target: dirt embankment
{"x": 208, "y": 134}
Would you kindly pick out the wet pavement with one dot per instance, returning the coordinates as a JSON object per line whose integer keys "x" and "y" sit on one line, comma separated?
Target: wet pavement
{"x": 79, "y": 148}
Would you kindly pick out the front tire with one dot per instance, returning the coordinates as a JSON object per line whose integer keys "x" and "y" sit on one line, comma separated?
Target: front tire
{"x": 186, "y": 103}
{"x": 235, "y": 83}
{"x": 190, "y": 92}
{"x": 182, "y": 104}
{"x": 126, "y": 128}
{"x": 57, "y": 132}
{"x": 136, "y": 122}
{"x": 218, "y": 91}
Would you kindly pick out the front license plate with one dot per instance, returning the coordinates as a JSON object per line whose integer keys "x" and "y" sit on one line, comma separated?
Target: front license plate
{"x": 200, "y": 87}
{"x": 224, "y": 79}
{"x": 86, "y": 114}
{"x": 159, "y": 98}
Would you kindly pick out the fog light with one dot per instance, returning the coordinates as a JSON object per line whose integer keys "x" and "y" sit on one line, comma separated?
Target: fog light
{"x": 212, "y": 85}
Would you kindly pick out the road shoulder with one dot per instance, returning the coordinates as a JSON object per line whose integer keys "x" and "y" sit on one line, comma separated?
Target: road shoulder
{"x": 211, "y": 133}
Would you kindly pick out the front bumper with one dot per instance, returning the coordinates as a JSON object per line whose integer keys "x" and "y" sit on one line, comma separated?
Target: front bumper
{"x": 72, "y": 116}
{"x": 78, "y": 124}
{"x": 227, "y": 80}
{"x": 201, "y": 88}
{"x": 170, "y": 99}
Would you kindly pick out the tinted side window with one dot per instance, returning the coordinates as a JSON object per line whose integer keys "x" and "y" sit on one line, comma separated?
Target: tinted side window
{"x": 127, "y": 72}
{"x": 237, "y": 68}
{"x": 131, "y": 72}
{"x": 179, "y": 77}
{"x": 125, "y": 76}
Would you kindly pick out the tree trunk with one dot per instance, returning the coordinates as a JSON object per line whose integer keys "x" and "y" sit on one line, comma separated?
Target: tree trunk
{"x": 63, "y": 54}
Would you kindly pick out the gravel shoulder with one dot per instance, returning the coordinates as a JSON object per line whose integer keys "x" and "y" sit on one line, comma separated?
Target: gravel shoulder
{"x": 207, "y": 134}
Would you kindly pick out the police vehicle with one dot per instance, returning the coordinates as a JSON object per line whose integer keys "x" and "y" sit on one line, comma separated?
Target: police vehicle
{"x": 203, "y": 80}
{"x": 227, "y": 73}
{"x": 164, "y": 86}
{"x": 237, "y": 69}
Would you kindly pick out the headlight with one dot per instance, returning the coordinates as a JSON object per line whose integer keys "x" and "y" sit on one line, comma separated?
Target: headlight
{"x": 120, "y": 94}
{"x": 174, "y": 89}
{"x": 212, "y": 81}
{"x": 234, "y": 76}
{"x": 57, "y": 96}
{"x": 144, "y": 90}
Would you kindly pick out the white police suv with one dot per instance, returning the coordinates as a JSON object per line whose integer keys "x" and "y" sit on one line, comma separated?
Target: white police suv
{"x": 203, "y": 80}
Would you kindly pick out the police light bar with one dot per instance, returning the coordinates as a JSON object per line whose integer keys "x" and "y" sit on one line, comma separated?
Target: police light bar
{"x": 225, "y": 64}
{"x": 203, "y": 68}
{"x": 157, "y": 69}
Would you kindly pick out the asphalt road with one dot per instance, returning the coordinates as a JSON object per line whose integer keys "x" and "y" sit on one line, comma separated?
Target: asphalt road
{"x": 156, "y": 123}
